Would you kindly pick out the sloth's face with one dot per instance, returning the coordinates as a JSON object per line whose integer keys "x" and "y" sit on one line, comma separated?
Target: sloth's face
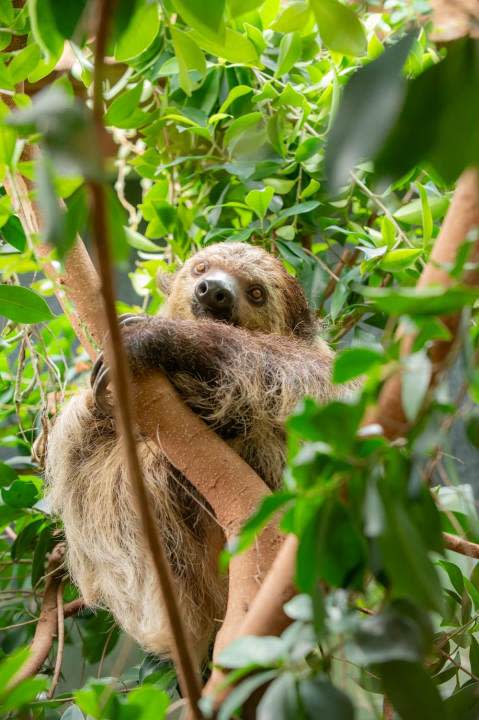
{"x": 242, "y": 285}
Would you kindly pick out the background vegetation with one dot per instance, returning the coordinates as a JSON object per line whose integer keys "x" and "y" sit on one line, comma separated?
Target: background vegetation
{"x": 332, "y": 135}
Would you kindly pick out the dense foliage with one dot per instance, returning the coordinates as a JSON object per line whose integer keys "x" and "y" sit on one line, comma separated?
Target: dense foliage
{"x": 331, "y": 135}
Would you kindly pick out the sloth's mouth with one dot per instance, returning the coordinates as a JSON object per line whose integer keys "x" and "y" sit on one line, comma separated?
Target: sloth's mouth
{"x": 220, "y": 315}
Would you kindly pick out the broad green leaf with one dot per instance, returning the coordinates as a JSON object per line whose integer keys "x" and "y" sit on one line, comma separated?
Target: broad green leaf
{"x": 353, "y": 362}
{"x": 139, "y": 33}
{"x": 67, "y": 14}
{"x": 123, "y": 107}
{"x": 10, "y": 665}
{"x": 368, "y": 109}
{"x": 20, "y": 494}
{"x": 7, "y": 13}
{"x": 464, "y": 703}
{"x": 23, "y": 305}
{"x": 259, "y": 200}
{"x": 44, "y": 27}
{"x": 8, "y": 139}
{"x": 395, "y": 260}
{"x": 293, "y": 18}
{"x": 321, "y": 699}
{"x": 24, "y": 62}
{"x": 280, "y": 701}
{"x": 7, "y": 475}
{"x": 235, "y": 93}
{"x": 289, "y": 53}
{"x": 308, "y": 148}
{"x": 297, "y": 209}
{"x": 411, "y": 213}
{"x": 241, "y": 125}
{"x": 140, "y": 242}
{"x": 455, "y": 575}
{"x": 242, "y": 692}
{"x": 148, "y": 703}
{"x": 433, "y": 300}
{"x": 14, "y": 234}
{"x": 23, "y": 694}
{"x": 235, "y": 48}
{"x": 416, "y": 377}
{"x": 240, "y": 7}
{"x": 412, "y": 692}
{"x": 406, "y": 559}
{"x": 189, "y": 57}
{"x": 210, "y": 23}
{"x": 339, "y": 27}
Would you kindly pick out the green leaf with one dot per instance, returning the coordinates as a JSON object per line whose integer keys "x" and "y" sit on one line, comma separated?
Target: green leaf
{"x": 24, "y": 62}
{"x": 293, "y": 18}
{"x": 368, "y": 109}
{"x": 21, "y": 494}
{"x": 67, "y": 14}
{"x": 148, "y": 703}
{"x": 44, "y": 27}
{"x": 240, "y": 7}
{"x": 189, "y": 57}
{"x": 235, "y": 93}
{"x": 45, "y": 543}
{"x": 241, "y": 125}
{"x": 250, "y": 650}
{"x": 235, "y": 48}
{"x": 140, "y": 32}
{"x": 7, "y": 475}
{"x": 464, "y": 703}
{"x": 406, "y": 559}
{"x": 259, "y": 200}
{"x": 23, "y": 305}
{"x": 412, "y": 212}
{"x": 23, "y": 694}
{"x": 140, "y": 242}
{"x": 289, "y": 53}
{"x": 395, "y": 260}
{"x": 339, "y": 27}
{"x": 427, "y": 220}
{"x": 455, "y": 575}
{"x": 8, "y": 140}
{"x": 122, "y": 110}
{"x": 10, "y": 665}
{"x": 210, "y": 24}
{"x": 280, "y": 701}
{"x": 354, "y": 362}
{"x": 242, "y": 692}
{"x": 412, "y": 692}
{"x": 7, "y": 13}
{"x": 321, "y": 699}
{"x": 308, "y": 148}
{"x": 433, "y": 300}
{"x": 297, "y": 209}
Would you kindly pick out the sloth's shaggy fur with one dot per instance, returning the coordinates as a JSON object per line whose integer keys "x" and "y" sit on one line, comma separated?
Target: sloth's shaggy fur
{"x": 243, "y": 379}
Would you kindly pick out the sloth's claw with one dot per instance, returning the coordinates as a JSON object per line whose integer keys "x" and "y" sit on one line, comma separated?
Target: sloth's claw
{"x": 100, "y": 377}
{"x": 99, "y": 389}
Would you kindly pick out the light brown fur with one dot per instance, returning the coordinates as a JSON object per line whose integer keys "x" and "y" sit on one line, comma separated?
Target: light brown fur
{"x": 244, "y": 381}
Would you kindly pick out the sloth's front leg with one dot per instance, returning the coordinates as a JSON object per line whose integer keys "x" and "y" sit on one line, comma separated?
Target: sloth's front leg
{"x": 100, "y": 377}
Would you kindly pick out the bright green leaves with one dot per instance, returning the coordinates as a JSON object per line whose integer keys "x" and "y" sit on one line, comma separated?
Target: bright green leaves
{"x": 293, "y": 18}
{"x": 124, "y": 112}
{"x": 354, "y": 362}
{"x": 23, "y": 305}
{"x": 67, "y": 15}
{"x": 259, "y": 200}
{"x": 434, "y": 300}
{"x": 15, "y": 697}
{"x": 209, "y": 23}
{"x": 368, "y": 109}
{"x": 289, "y": 53}
{"x": 189, "y": 57}
{"x": 339, "y": 27}
{"x": 139, "y": 32}
{"x": 44, "y": 27}
{"x": 100, "y": 701}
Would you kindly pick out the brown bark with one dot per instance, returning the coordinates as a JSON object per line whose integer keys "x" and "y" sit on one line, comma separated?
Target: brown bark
{"x": 462, "y": 217}
{"x": 47, "y": 625}
{"x": 459, "y": 545}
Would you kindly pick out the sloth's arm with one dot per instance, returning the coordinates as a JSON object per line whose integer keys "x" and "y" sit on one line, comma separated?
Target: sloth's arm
{"x": 225, "y": 372}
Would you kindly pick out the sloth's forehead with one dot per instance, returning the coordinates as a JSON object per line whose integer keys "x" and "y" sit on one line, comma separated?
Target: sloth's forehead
{"x": 241, "y": 259}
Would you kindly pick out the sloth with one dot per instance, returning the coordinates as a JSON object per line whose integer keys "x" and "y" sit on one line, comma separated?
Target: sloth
{"x": 237, "y": 340}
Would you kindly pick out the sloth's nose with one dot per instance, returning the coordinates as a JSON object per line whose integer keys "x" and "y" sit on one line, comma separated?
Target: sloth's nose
{"x": 215, "y": 295}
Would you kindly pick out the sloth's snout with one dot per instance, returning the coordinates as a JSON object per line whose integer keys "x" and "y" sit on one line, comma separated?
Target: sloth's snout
{"x": 216, "y": 295}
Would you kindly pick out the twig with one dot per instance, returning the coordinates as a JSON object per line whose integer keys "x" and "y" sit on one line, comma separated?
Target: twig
{"x": 61, "y": 642}
{"x": 188, "y": 676}
{"x": 459, "y": 545}
{"x": 47, "y": 626}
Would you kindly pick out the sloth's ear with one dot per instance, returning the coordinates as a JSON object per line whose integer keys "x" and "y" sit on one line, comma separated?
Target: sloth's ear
{"x": 164, "y": 281}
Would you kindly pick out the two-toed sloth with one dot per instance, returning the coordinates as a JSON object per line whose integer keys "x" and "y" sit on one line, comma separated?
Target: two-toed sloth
{"x": 239, "y": 343}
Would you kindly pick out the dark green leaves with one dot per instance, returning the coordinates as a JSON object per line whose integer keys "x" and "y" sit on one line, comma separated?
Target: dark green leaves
{"x": 23, "y": 305}
{"x": 412, "y": 692}
{"x": 368, "y": 109}
{"x": 441, "y": 106}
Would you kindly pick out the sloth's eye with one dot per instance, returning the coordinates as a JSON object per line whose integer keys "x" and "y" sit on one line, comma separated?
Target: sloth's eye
{"x": 256, "y": 293}
{"x": 200, "y": 268}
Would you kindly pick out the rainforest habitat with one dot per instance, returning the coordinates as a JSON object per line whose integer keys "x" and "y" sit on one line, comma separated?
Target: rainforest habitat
{"x": 326, "y": 152}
